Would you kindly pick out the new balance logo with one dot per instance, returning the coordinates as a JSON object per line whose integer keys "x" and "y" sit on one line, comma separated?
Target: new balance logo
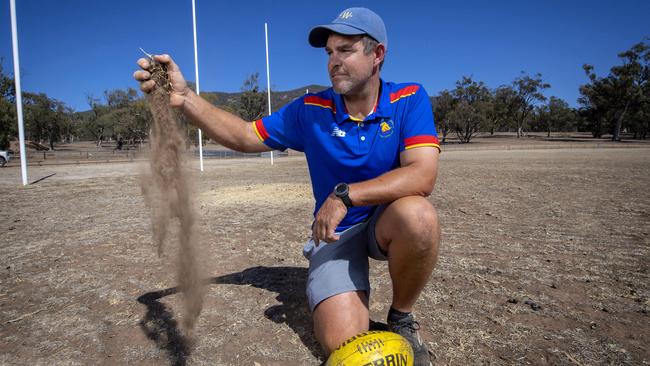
{"x": 338, "y": 132}
{"x": 345, "y": 15}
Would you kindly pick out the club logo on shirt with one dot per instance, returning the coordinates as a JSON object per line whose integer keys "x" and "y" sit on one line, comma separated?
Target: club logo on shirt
{"x": 386, "y": 128}
{"x": 336, "y": 132}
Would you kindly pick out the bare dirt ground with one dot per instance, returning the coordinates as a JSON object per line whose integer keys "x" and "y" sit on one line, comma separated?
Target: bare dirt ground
{"x": 545, "y": 260}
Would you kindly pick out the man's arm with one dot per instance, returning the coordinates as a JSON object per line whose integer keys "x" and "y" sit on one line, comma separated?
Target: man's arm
{"x": 225, "y": 128}
{"x": 416, "y": 176}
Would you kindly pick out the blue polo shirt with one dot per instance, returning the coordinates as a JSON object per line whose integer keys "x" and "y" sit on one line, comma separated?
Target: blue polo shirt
{"x": 341, "y": 149}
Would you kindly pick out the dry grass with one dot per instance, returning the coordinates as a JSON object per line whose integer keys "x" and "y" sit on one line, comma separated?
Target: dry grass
{"x": 567, "y": 230}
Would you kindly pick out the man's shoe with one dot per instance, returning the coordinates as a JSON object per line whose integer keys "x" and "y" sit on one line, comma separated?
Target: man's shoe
{"x": 408, "y": 328}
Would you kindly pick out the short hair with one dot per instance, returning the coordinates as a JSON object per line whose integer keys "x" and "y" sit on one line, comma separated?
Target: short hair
{"x": 369, "y": 45}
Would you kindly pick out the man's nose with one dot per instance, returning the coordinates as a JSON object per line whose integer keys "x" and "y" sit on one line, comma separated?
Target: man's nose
{"x": 334, "y": 61}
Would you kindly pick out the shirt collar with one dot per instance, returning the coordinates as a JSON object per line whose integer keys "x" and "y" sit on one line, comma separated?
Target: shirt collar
{"x": 382, "y": 109}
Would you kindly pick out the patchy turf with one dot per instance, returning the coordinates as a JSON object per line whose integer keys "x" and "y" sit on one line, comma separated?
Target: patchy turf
{"x": 545, "y": 260}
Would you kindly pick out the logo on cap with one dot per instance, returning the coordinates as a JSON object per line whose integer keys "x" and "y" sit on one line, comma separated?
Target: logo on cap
{"x": 345, "y": 15}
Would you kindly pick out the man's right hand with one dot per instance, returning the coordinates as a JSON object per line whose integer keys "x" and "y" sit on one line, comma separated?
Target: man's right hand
{"x": 179, "y": 89}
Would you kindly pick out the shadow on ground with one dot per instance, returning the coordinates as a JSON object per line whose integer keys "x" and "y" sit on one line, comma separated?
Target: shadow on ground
{"x": 159, "y": 325}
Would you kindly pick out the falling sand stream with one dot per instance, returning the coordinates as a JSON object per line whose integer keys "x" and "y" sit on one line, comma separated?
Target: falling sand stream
{"x": 167, "y": 193}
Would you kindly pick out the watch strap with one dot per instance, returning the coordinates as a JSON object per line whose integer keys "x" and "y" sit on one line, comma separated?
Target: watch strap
{"x": 342, "y": 191}
{"x": 346, "y": 200}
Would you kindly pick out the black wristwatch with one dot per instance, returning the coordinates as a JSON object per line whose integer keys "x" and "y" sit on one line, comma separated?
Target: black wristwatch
{"x": 342, "y": 191}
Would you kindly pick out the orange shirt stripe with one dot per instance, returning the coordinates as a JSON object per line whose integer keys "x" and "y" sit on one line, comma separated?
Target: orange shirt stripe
{"x": 421, "y": 145}
{"x": 260, "y": 131}
{"x": 421, "y": 140}
{"x": 319, "y": 102}
{"x": 403, "y": 93}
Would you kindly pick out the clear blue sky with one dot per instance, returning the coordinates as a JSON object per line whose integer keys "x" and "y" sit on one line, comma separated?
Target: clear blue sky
{"x": 72, "y": 48}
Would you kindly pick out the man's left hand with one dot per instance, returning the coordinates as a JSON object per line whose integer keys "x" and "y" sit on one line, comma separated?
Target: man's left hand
{"x": 329, "y": 216}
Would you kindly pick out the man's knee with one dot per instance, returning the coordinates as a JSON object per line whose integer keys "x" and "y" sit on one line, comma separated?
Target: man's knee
{"x": 411, "y": 218}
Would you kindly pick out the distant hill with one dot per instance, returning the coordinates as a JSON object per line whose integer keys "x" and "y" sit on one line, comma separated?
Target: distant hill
{"x": 278, "y": 98}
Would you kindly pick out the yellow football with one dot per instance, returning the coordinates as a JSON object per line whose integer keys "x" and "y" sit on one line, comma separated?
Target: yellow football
{"x": 373, "y": 348}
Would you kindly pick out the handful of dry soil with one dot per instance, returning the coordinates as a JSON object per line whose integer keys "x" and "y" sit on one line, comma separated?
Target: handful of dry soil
{"x": 167, "y": 193}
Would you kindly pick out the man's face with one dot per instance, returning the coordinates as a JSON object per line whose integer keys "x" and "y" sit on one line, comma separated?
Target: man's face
{"x": 348, "y": 66}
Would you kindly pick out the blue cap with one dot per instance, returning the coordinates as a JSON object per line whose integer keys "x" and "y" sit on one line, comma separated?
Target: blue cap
{"x": 352, "y": 21}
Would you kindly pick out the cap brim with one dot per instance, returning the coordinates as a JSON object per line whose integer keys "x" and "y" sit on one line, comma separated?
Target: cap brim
{"x": 319, "y": 34}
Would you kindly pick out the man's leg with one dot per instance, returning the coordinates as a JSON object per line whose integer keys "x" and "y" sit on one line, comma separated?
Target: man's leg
{"x": 409, "y": 232}
{"x": 340, "y": 317}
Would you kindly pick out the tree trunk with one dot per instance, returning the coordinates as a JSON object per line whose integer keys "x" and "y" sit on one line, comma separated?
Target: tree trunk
{"x": 619, "y": 122}
{"x": 596, "y": 129}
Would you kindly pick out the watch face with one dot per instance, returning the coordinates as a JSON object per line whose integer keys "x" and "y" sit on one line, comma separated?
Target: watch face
{"x": 341, "y": 188}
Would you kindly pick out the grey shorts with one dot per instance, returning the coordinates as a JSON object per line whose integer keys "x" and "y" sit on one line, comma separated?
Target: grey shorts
{"x": 342, "y": 266}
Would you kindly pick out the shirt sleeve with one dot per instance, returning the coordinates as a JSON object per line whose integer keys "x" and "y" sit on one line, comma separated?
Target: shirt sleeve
{"x": 282, "y": 129}
{"x": 419, "y": 129}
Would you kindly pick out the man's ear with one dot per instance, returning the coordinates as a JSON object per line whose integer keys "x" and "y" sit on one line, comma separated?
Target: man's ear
{"x": 380, "y": 53}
